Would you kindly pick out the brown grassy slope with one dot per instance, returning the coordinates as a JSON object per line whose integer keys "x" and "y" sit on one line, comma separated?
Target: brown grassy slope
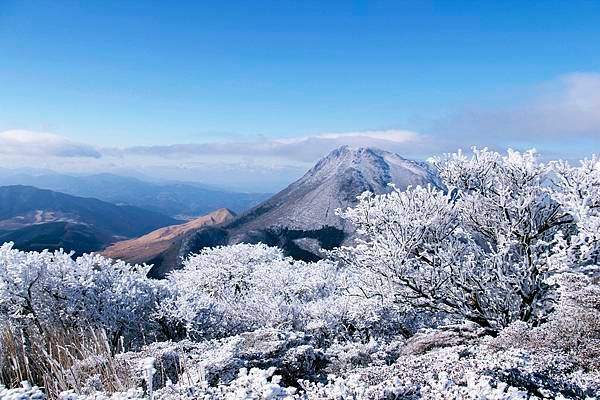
{"x": 152, "y": 245}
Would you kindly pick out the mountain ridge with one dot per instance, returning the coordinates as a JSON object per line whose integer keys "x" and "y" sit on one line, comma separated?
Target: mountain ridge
{"x": 301, "y": 218}
{"x": 30, "y": 216}
{"x": 154, "y": 245}
{"x": 348, "y": 171}
{"x": 176, "y": 199}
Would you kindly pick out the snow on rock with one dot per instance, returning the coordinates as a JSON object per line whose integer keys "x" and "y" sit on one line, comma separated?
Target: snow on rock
{"x": 445, "y": 336}
{"x": 219, "y": 361}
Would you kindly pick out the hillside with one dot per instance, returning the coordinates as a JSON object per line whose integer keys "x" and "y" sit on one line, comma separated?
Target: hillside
{"x": 36, "y": 218}
{"x": 75, "y": 237}
{"x": 153, "y": 247}
{"x": 334, "y": 182}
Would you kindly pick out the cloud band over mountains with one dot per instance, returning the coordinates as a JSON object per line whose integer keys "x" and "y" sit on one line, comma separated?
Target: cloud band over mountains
{"x": 559, "y": 116}
{"x": 32, "y": 144}
{"x": 298, "y": 149}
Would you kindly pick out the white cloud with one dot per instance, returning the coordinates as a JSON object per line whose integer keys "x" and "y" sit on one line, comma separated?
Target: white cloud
{"x": 568, "y": 106}
{"x": 264, "y": 165}
{"x": 391, "y": 135}
{"x": 25, "y": 144}
{"x": 305, "y": 149}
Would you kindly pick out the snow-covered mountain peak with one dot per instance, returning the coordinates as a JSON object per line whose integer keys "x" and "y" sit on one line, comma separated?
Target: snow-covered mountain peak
{"x": 335, "y": 182}
{"x": 376, "y": 166}
{"x": 302, "y": 218}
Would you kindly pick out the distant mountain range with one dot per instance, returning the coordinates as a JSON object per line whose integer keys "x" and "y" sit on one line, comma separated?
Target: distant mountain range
{"x": 301, "y": 218}
{"x": 179, "y": 200}
{"x": 38, "y": 219}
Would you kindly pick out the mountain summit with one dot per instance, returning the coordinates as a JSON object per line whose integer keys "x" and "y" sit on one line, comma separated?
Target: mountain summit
{"x": 335, "y": 182}
{"x": 301, "y": 218}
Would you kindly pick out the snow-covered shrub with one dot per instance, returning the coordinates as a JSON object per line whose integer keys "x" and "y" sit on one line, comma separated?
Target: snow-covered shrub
{"x": 472, "y": 370}
{"x": 51, "y": 289}
{"x": 475, "y": 387}
{"x": 482, "y": 249}
{"x": 249, "y": 384}
{"x": 572, "y": 330}
{"x": 131, "y": 394}
{"x": 346, "y": 356}
{"x": 255, "y": 384}
{"x": 578, "y": 191}
{"x": 58, "y": 315}
{"x": 226, "y": 290}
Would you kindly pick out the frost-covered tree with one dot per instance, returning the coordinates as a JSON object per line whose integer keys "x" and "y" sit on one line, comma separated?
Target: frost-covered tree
{"x": 507, "y": 203}
{"x": 231, "y": 289}
{"x": 480, "y": 249}
{"x": 212, "y": 290}
{"x": 578, "y": 191}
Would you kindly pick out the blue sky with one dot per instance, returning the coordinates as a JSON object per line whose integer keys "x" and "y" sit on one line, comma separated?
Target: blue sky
{"x": 105, "y": 74}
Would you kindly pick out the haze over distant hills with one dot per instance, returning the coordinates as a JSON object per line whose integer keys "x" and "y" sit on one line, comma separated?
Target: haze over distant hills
{"x": 37, "y": 219}
{"x": 301, "y": 218}
{"x": 181, "y": 200}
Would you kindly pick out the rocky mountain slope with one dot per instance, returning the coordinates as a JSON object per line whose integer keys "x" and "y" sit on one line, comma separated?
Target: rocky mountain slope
{"x": 153, "y": 247}
{"x": 301, "y": 218}
{"x": 334, "y": 182}
{"x": 37, "y": 219}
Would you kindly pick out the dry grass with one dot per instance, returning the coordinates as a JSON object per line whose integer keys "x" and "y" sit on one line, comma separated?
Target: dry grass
{"x": 61, "y": 359}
